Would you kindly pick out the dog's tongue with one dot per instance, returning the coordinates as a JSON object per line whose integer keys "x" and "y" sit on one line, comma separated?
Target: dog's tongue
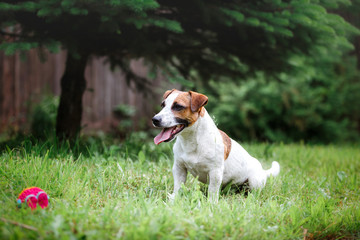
{"x": 164, "y": 135}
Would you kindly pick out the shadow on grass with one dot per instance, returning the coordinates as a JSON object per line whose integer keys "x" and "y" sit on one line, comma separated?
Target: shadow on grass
{"x": 88, "y": 146}
{"x": 52, "y": 147}
{"x": 229, "y": 189}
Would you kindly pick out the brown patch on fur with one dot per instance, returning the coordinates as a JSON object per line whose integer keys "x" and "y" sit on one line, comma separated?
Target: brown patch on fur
{"x": 198, "y": 100}
{"x": 202, "y": 111}
{"x": 184, "y": 99}
{"x": 227, "y": 144}
{"x": 193, "y": 103}
{"x": 168, "y": 92}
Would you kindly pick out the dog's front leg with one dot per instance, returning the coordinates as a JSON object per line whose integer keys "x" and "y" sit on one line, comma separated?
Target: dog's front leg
{"x": 215, "y": 179}
{"x": 180, "y": 174}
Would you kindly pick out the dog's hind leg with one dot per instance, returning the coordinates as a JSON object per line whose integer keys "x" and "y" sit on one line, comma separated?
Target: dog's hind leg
{"x": 257, "y": 181}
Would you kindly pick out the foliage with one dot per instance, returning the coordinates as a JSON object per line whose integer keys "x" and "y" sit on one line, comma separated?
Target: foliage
{"x": 188, "y": 40}
{"x": 231, "y": 38}
{"x": 111, "y": 195}
{"x": 43, "y": 117}
{"x": 316, "y": 104}
{"x": 125, "y": 113}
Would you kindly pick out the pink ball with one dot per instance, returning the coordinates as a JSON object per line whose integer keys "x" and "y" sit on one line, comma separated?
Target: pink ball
{"x": 33, "y": 196}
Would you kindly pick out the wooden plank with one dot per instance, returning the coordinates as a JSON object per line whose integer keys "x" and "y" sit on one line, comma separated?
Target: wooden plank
{"x": 23, "y": 82}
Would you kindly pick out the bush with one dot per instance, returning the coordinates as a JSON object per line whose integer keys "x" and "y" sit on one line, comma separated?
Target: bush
{"x": 318, "y": 104}
{"x": 43, "y": 117}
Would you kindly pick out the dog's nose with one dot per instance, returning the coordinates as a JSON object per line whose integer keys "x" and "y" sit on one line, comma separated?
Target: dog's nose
{"x": 156, "y": 121}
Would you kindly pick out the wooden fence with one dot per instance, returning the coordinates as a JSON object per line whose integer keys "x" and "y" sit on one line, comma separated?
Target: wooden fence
{"x": 23, "y": 83}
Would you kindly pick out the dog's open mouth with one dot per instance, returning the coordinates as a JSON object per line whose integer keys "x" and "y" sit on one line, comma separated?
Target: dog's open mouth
{"x": 167, "y": 134}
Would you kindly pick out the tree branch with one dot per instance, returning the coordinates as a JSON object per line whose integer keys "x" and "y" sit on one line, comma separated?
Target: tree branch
{"x": 19, "y": 224}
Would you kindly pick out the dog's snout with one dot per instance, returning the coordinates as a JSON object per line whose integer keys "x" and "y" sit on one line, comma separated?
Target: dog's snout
{"x": 156, "y": 121}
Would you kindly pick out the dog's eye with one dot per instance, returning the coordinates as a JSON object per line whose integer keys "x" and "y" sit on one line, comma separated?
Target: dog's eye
{"x": 177, "y": 107}
{"x": 162, "y": 104}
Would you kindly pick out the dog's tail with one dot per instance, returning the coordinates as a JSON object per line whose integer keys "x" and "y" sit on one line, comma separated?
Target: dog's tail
{"x": 274, "y": 170}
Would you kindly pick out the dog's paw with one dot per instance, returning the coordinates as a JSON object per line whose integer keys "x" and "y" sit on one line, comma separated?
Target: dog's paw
{"x": 171, "y": 197}
{"x": 213, "y": 198}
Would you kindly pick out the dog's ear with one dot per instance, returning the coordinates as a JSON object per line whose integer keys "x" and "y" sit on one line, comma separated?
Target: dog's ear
{"x": 167, "y": 93}
{"x": 198, "y": 100}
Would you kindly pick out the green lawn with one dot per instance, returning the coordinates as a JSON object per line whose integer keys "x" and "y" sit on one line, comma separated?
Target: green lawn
{"x": 108, "y": 192}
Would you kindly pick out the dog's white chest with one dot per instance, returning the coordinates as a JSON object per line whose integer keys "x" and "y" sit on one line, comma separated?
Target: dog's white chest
{"x": 199, "y": 158}
{"x": 198, "y": 167}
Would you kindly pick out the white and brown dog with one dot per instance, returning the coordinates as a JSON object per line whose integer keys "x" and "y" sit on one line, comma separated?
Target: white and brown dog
{"x": 202, "y": 149}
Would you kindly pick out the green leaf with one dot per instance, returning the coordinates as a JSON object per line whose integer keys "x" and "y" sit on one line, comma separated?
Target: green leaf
{"x": 28, "y": 6}
{"x": 78, "y": 11}
{"x": 141, "y": 157}
{"x": 44, "y": 12}
{"x": 280, "y": 21}
{"x": 12, "y": 48}
{"x": 8, "y": 7}
{"x": 284, "y": 31}
{"x": 67, "y": 3}
{"x": 115, "y": 2}
{"x": 341, "y": 175}
{"x": 179, "y": 79}
{"x": 301, "y": 19}
{"x": 253, "y": 21}
{"x": 53, "y": 46}
{"x": 171, "y": 25}
{"x": 239, "y": 17}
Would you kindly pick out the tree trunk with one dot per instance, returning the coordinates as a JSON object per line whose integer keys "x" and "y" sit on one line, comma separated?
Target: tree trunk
{"x": 73, "y": 84}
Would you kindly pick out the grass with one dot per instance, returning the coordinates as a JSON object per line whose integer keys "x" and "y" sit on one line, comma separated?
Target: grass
{"x": 104, "y": 191}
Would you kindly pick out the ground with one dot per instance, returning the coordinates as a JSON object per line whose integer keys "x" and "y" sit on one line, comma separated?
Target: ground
{"x": 107, "y": 191}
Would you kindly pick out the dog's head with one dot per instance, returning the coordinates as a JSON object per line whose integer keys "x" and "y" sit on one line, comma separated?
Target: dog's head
{"x": 180, "y": 110}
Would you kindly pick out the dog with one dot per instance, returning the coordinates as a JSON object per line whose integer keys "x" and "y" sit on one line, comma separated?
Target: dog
{"x": 202, "y": 149}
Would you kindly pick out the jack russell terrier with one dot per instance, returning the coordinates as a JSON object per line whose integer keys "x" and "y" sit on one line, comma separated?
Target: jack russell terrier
{"x": 202, "y": 149}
